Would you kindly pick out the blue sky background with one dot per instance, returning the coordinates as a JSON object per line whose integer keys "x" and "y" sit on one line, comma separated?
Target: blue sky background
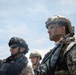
{"x": 26, "y": 19}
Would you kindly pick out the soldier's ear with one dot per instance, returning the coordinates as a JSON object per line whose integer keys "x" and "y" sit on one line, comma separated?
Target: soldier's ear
{"x": 22, "y": 49}
{"x": 63, "y": 29}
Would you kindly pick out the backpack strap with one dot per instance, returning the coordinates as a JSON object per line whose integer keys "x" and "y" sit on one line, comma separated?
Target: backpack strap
{"x": 69, "y": 47}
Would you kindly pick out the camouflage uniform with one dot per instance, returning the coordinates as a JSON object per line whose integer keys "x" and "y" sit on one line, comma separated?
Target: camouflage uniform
{"x": 66, "y": 62}
{"x": 28, "y": 70}
{"x": 66, "y": 65}
{"x": 35, "y": 54}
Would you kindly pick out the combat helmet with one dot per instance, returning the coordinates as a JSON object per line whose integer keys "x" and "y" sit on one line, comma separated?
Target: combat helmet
{"x": 35, "y": 54}
{"x": 20, "y": 42}
{"x": 61, "y": 20}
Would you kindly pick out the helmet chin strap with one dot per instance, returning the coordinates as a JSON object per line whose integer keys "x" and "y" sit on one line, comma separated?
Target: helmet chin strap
{"x": 17, "y": 52}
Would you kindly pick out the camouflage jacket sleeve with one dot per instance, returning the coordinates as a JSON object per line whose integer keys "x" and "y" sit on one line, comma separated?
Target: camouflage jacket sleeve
{"x": 28, "y": 70}
{"x": 71, "y": 60}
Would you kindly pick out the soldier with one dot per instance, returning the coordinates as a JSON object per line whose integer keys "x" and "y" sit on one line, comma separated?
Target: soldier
{"x": 17, "y": 63}
{"x": 35, "y": 59}
{"x": 61, "y": 60}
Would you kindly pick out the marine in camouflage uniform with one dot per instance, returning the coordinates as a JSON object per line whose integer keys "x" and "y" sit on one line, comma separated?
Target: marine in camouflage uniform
{"x": 17, "y": 63}
{"x": 35, "y": 58}
{"x": 58, "y": 28}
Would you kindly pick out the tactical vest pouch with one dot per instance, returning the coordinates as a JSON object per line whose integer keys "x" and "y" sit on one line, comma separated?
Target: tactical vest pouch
{"x": 61, "y": 72}
{"x": 4, "y": 68}
{"x": 15, "y": 68}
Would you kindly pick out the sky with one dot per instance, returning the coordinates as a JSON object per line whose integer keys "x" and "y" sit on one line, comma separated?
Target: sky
{"x": 26, "y": 19}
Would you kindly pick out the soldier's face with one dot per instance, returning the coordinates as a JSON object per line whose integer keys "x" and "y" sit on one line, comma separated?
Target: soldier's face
{"x": 54, "y": 32}
{"x": 14, "y": 50}
{"x": 34, "y": 60}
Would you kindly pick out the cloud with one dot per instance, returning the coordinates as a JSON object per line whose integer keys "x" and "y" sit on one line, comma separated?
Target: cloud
{"x": 67, "y": 6}
{"x": 4, "y": 52}
{"x": 11, "y": 27}
{"x": 68, "y": 2}
{"x": 36, "y": 8}
{"x": 21, "y": 8}
{"x": 25, "y": 18}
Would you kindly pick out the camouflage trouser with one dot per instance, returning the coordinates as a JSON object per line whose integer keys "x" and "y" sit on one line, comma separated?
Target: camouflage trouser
{"x": 61, "y": 72}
